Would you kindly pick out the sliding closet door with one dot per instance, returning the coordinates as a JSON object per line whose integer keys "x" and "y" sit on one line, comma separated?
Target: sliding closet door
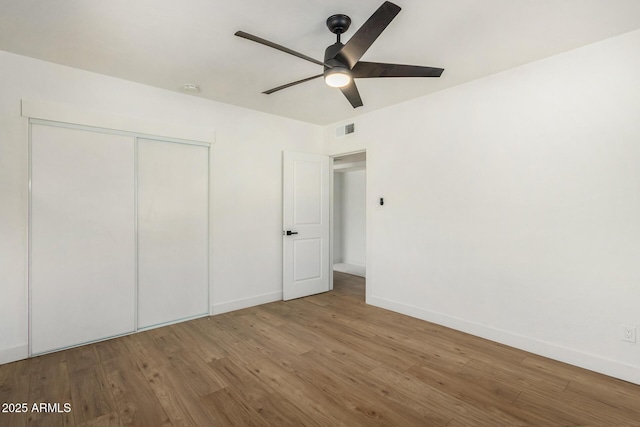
{"x": 172, "y": 231}
{"x": 82, "y": 271}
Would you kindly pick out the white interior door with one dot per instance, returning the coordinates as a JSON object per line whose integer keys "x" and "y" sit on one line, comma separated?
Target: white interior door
{"x": 306, "y": 269}
{"x": 173, "y": 232}
{"x": 82, "y": 267}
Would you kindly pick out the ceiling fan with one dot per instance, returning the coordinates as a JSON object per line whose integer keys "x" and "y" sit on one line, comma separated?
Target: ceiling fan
{"x": 342, "y": 61}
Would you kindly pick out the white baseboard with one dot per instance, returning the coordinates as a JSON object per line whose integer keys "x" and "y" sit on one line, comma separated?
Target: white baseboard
{"x": 561, "y": 353}
{"x": 350, "y": 269}
{"x": 356, "y": 263}
{"x": 11, "y": 354}
{"x": 239, "y": 304}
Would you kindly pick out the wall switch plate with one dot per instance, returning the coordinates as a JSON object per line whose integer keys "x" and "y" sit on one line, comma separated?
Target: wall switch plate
{"x": 628, "y": 333}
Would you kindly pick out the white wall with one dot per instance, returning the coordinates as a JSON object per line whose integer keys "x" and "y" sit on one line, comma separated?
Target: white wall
{"x": 353, "y": 217}
{"x": 246, "y": 180}
{"x": 512, "y": 206}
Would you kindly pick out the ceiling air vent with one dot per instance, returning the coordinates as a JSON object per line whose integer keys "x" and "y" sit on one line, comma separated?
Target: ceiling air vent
{"x": 345, "y": 129}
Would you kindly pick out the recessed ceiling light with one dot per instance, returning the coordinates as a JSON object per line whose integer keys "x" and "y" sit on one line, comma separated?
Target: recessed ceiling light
{"x": 191, "y": 88}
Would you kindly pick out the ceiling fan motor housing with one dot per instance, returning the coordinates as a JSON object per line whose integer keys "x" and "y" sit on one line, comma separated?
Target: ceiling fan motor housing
{"x": 332, "y": 57}
{"x": 334, "y": 64}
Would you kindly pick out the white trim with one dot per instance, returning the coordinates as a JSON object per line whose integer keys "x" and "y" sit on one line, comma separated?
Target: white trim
{"x": 73, "y": 115}
{"x": 356, "y": 270}
{"x": 369, "y": 212}
{"x": 209, "y": 200}
{"x": 357, "y": 264}
{"x": 331, "y": 219}
{"x": 11, "y": 354}
{"x": 29, "y": 243}
{"x": 350, "y": 167}
{"x": 111, "y": 131}
{"x": 136, "y": 235}
{"x": 561, "y": 353}
{"x": 241, "y": 303}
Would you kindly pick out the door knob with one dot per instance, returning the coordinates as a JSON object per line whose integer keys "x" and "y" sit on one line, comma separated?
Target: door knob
{"x": 289, "y": 232}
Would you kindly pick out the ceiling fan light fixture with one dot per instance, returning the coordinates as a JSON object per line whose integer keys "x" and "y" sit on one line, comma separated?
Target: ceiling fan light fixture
{"x": 337, "y": 77}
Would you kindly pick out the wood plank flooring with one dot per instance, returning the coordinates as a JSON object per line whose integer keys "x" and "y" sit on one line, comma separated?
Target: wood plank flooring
{"x": 325, "y": 360}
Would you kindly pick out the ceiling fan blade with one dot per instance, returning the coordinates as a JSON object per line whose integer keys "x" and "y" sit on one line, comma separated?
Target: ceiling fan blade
{"x": 351, "y": 92}
{"x": 276, "y": 46}
{"x": 275, "y": 89}
{"x": 367, "y": 34}
{"x": 363, "y": 70}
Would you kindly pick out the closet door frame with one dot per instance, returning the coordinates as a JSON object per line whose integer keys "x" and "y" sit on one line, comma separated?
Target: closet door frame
{"x": 137, "y": 136}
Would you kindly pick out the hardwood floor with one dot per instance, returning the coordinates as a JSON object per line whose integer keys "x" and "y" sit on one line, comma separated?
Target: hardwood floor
{"x": 323, "y": 360}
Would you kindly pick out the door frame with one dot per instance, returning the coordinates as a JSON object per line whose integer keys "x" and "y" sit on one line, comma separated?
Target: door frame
{"x": 368, "y": 263}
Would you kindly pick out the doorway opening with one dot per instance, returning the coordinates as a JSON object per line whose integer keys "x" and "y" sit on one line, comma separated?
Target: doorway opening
{"x": 349, "y": 218}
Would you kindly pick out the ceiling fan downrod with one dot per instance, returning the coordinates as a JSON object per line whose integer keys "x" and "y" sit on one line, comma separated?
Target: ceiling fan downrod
{"x": 338, "y": 24}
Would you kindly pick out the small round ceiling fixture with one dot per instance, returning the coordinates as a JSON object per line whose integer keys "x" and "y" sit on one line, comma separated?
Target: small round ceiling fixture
{"x": 191, "y": 88}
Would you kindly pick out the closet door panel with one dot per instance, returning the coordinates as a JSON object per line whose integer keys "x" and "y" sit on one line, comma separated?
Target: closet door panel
{"x": 82, "y": 270}
{"x": 172, "y": 231}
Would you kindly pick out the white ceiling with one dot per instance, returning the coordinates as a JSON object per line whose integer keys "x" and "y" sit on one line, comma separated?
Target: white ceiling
{"x": 167, "y": 43}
